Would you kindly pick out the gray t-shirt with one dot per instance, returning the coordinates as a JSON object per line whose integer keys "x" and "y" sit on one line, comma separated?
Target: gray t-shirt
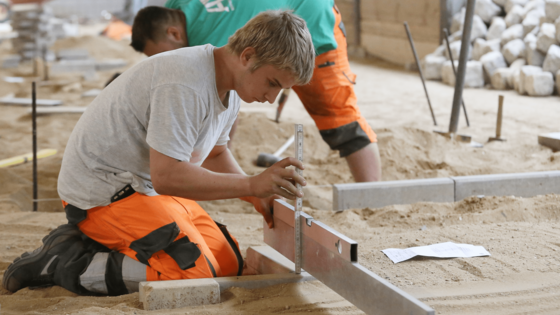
{"x": 168, "y": 102}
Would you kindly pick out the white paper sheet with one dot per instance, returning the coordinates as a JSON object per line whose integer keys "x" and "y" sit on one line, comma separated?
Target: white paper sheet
{"x": 441, "y": 250}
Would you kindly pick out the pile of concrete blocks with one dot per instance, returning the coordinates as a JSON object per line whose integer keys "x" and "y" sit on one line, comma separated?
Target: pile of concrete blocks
{"x": 35, "y": 36}
{"x": 516, "y": 42}
{"x": 10, "y": 61}
{"x": 79, "y": 61}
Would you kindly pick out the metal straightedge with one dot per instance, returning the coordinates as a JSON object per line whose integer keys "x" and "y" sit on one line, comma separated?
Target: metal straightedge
{"x": 332, "y": 258}
{"x": 299, "y": 204}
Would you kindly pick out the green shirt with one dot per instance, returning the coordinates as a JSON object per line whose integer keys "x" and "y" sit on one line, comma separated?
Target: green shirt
{"x": 214, "y": 21}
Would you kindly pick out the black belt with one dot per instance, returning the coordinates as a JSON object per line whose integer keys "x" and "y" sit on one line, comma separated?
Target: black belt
{"x": 76, "y": 215}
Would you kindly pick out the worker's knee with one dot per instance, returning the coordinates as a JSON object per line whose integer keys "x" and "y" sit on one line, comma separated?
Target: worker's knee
{"x": 347, "y": 139}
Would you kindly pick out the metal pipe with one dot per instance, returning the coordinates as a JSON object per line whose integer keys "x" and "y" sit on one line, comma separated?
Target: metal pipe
{"x": 460, "y": 80}
{"x": 357, "y": 23}
{"x": 499, "y": 119}
{"x": 34, "y": 124}
{"x": 419, "y": 70}
{"x": 45, "y": 65}
{"x": 446, "y": 37}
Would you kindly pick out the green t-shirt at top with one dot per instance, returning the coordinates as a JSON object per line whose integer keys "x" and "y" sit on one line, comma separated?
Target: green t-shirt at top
{"x": 214, "y": 21}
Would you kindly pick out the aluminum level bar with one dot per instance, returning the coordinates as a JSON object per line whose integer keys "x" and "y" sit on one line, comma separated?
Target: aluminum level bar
{"x": 332, "y": 258}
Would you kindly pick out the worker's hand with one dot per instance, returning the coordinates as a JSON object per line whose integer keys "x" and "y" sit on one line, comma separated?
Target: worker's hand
{"x": 279, "y": 180}
{"x": 264, "y": 207}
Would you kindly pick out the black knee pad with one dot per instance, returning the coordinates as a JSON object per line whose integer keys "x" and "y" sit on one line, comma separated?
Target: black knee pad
{"x": 346, "y": 139}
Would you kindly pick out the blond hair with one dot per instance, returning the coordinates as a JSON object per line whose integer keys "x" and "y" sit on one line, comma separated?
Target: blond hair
{"x": 281, "y": 39}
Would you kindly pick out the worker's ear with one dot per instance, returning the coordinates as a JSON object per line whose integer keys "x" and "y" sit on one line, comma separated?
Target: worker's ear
{"x": 174, "y": 34}
{"x": 246, "y": 56}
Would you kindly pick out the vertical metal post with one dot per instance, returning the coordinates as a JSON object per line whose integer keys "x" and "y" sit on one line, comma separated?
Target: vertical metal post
{"x": 299, "y": 204}
{"x": 34, "y": 123}
{"x": 460, "y": 79}
{"x": 357, "y": 23}
{"x": 446, "y": 37}
{"x": 443, "y": 18}
{"x": 419, "y": 70}
{"x": 499, "y": 119}
{"x": 45, "y": 66}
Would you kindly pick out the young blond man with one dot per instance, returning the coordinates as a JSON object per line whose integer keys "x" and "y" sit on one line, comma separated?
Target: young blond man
{"x": 153, "y": 142}
{"x": 329, "y": 98}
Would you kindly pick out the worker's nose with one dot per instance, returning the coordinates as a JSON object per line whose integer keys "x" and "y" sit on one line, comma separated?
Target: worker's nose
{"x": 272, "y": 95}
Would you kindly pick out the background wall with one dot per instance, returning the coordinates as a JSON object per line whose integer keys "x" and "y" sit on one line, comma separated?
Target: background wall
{"x": 382, "y": 31}
{"x": 90, "y": 8}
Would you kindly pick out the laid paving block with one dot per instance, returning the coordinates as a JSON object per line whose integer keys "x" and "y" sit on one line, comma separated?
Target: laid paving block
{"x": 519, "y": 185}
{"x": 551, "y": 140}
{"x": 262, "y": 281}
{"x": 157, "y": 295}
{"x": 380, "y": 194}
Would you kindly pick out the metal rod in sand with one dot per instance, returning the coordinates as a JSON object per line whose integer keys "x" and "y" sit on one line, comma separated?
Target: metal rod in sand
{"x": 419, "y": 70}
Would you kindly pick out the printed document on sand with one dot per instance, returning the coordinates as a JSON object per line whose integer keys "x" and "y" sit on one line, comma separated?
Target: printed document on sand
{"x": 441, "y": 250}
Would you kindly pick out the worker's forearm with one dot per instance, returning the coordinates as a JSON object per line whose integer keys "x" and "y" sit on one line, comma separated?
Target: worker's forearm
{"x": 223, "y": 163}
{"x": 226, "y": 163}
{"x": 196, "y": 183}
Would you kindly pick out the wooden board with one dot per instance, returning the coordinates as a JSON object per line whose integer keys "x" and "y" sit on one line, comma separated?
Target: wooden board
{"x": 60, "y": 110}
{"x": 21, "y": 159}
{"x": 27, "y": 101}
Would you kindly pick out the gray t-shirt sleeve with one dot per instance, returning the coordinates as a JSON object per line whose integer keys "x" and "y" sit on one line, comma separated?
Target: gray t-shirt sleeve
{"x": 175, "y": 116}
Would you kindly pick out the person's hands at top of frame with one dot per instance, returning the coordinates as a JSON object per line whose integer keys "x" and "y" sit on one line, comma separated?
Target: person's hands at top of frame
{"x": 279, "y": 179}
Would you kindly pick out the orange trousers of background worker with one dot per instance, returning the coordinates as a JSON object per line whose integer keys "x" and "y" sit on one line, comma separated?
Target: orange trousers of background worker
{"x": 331, "y": 101}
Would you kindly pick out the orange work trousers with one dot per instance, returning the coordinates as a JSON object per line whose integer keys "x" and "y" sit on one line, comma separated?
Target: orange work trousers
{"x": 173, "y": 236}
{"x": 330, "y": 98}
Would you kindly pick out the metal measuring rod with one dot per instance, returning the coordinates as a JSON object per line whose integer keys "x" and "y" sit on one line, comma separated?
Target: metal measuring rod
{"x": 297, "y": 228}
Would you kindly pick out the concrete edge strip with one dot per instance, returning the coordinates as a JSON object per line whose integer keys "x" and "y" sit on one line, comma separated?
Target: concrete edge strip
{"x": 380, "y": 194}
{"x": 156, "y": 295}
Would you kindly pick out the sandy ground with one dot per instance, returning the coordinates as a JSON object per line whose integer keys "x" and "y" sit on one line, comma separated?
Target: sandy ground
{"x": 523, "y": 235}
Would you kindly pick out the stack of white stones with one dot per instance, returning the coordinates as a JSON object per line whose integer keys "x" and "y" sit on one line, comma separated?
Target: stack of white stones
{"x": 515, "y": 44}
{"x": 33, "y": 24}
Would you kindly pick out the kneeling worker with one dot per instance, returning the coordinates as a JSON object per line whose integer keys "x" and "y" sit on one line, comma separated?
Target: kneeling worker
{"x": 149, "y": 145}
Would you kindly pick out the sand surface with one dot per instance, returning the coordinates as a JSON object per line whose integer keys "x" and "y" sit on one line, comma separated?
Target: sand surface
{"x": 523, "y": 235}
